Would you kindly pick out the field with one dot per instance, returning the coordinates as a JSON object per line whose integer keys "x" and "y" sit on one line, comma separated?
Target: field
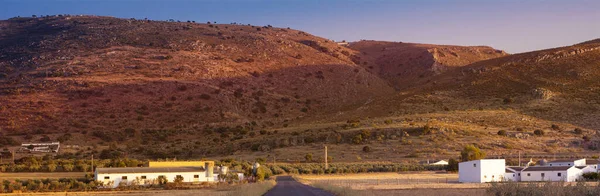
{"x": 40, "y": 175}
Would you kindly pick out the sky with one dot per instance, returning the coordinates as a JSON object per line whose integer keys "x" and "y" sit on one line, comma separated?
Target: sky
{"x": 511, "y": 25}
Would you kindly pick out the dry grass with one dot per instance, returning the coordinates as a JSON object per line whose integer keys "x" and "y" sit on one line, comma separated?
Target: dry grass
{"x": 251, "y": 189}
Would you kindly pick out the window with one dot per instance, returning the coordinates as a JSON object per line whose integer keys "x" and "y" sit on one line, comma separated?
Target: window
{"x": 143, "y": 177}
{"x": 106, "y": 177}
{"x": 528, "y": 174}
{"x": 569, "y": 164}
{"x": 474, "y": 164}
{"x": 543, "y": 175}
{"x": 513, "y": 175}
{"x": 196, "y": 176}
{"x": 485, "y": 176}
{"x": 519, "y": 174}
{"x": 559, "y": 174}
{"x": 123, "y": 177}
{"x": 550, "y": 164}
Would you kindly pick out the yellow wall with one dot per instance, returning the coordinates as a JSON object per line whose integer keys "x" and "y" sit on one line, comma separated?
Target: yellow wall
{"x": 180, "y": 163}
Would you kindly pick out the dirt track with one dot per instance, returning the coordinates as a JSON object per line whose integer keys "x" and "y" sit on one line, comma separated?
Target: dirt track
{"x": 286, "y": 185}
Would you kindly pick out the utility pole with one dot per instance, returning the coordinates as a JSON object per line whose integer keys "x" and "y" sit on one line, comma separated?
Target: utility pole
{"x": 92, "y": 164}
{"x": 273, "y": 160}
{"x": 13, "y": 156}
{"x": 326, "y": 166}
{"x": 519, "y": 158}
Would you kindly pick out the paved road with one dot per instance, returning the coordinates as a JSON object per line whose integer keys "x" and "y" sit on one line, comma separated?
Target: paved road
{"x": 287, "y": 186}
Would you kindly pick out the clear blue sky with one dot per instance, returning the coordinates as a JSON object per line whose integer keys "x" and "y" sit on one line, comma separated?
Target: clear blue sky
{"x": 511, "y": 25}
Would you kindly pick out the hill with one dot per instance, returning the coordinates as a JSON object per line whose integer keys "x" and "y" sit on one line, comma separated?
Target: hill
{"x": 104, "y": 73}
{"x": 155, "y": 89}
{"x": 406, "y": 65}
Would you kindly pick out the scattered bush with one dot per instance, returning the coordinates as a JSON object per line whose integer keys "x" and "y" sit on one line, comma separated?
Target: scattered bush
{"x": 578, "y": 131}
{"x": 366, "y": 149}
{"x": 539, "y": 132}
{"x": 502, "y": 133}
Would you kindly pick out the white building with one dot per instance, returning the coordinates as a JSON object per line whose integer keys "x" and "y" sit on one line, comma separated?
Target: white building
{"x": 484, "y": 170}
{"x": 551, "y": 173}
{"x": 513, "y": 173}
{"x": 592, "y": 163}
{"x": 40, "y": 147}
{"x": 567, "y": 162}
{"x": 586, "y": 169}
{"x": 435, "y": 162}
{"x": 113, "y": 177}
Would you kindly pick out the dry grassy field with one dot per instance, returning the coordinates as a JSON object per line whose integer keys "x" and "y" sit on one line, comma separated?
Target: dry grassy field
{"x": 41, "y": 175}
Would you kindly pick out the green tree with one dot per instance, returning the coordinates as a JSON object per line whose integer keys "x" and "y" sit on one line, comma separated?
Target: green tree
{"x": 452, "y": 165}
{"x": 471, "y": 152}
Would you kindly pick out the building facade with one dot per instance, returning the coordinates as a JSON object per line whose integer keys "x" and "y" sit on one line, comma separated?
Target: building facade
{"x": 484, "y": 170}
{"x": 113, "y": 177}
{"x": 551, "y": 173}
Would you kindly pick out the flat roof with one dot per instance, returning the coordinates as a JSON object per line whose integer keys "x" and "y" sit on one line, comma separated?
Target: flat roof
{"x": 122, "y": 170}
{"x": 591, "y": 161}
{"x": 547, "y": 168}
{"x": 564, "y": 160}
{"x": 516, "y": 168}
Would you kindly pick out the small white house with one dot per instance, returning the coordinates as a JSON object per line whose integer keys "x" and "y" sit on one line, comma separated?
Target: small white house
{"x": 567, "y": 162}
{"x": 434, "y": 162}
{"x": 113, "y": 177}
{"x": 484, "y": 170}
{"x": 513, "y": 173}
{"x": 592, "y": 163}
{"x": 586, "y": 169}
{"x": 551, "y": 173}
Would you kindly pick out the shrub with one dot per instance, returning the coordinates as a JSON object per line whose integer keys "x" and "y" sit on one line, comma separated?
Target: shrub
{"x": 452, "y": 165}
{"x": 308, "y": 157}
{"x": 502, "y": 133}
{"x": 205, "y": 96}
{"x": 366, "y": 149}
{"x": 162, "y": 180}
{"x": 357, "y": 139}
{"x": 538, "y": 132}
{"x": 555, "y": 127}
{"x": 388, "y": 121}
{"x": 471, "y": 152}
{"x": 507, "y": 100}
{"x": 578, "y": 131}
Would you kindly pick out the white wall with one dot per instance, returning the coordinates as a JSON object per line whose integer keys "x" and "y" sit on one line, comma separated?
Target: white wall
{"x": 580, "y": 162}
{"x": 514, "y": 177}
{"x": 469, "y": 171}
{"x": 570, "y": 175}
{"x": 151, "y": 178}
{"x": 485, "y": 170}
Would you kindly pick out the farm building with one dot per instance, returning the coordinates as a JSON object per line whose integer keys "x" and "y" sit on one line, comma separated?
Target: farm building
{"x": 586, "y": 169}
{"x": 190, "y": 171}
{"x": 113, "y": 177}
{"x": 40, "y": 147}
{"x": 435, "y": 162}
{"x": 484, "y": 170}
{"x": 592, "y": 163}
{"x": 551, "y": 173}
{"x": 513, "y": 173}
{"x": 567, "y": 162}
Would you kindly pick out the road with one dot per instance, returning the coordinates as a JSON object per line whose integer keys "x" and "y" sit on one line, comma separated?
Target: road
{"x": 287, "y": 186}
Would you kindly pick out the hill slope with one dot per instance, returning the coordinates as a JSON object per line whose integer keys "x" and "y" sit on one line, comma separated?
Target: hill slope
{"x": 406, "y": 65}
{"x": 85, "y": 72}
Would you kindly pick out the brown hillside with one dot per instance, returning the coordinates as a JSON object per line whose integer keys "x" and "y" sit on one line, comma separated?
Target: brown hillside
{"x": 68, "y": 73}
{"x": 408, "y": 64}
